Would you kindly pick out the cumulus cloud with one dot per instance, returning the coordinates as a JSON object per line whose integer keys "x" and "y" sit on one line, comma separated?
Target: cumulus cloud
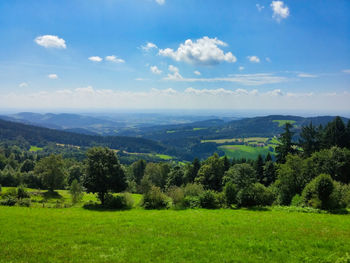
{"x": 205, "y": 51}
{"x": 280, "y": 10}
{"x": 346, "y": 71}
{"x": 254, "y": 59}
{"x": 241, "y": 68}
{"x": 259, "y": 7}
{"x": 52, "y": 76}
{"x": 174, "y": 73}
{"x": 306, "y": 75}
{"x": 50, "y": 41}
{"x": 196, "y": 72}
{"x": 95, "y": 59}
{"x": 114, "y": 59}
{"x": 160, "y": 2}
{"x": 155, "y": 70}
{"x": 23, "y": 85}
{"x": 149, "y": 46}
{"x": 190, "y": 98}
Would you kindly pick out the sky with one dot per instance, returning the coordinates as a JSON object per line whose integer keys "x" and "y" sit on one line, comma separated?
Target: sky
{"x": 175, "y": 54}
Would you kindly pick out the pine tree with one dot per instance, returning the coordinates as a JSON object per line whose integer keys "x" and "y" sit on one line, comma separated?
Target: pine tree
{"x": 286, "y": 145}
{"x": 309, "y": 139}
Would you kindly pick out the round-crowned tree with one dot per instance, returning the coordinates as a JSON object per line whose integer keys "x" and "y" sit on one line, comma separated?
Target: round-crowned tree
{"x": 103, "y": 173}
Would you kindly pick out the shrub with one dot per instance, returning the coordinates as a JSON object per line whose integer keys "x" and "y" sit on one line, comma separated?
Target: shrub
{"x": 297, "y": 200}
{"x": 255, "y": 195}
{"x": 24, "y": 202}
{"x": 177, "y": 196}
{"x": 193, "y": 190}
{"x": 154, "y": 199}
{"x": 10, "y": 192}
{"x": 76, "y": 191}
{"x": 230, "y": 191}
{"x": 209, "y": 200}
{"x": 122, "y": 201}
{"x": 8, "y": 200}
{"x": 321, "y": 193}
{"x": 22, "y": 192}
{"x": 192, "y": 202}
{"x": 0, "y": 189}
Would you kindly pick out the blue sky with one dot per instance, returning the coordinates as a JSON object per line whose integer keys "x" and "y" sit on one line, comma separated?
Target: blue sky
{"x": 175, "y": 54}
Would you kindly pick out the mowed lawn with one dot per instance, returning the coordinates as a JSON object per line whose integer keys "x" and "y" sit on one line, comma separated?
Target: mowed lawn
{"x": 78, "y": 235}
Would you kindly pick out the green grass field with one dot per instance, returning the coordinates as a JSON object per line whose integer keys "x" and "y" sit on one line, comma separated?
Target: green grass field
{"x": 35, "y": 148}
{"x": 243, "y": 151}
{"x": 78, "y": 235}
{"x": 283, "y": 122}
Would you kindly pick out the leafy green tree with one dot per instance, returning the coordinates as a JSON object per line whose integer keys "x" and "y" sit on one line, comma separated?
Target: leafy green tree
{"x": 242, "y": 175}
{"x": 211, "y": 173}
{"x": 157, "y": 173}
{"x": 3, "y": 161}
{"x": 230, "y": 191}
{"x": 103, "y": 173}
{"x": 75, "y": 172}
{"x": 138, "y": 169}
{"x": 269, "y": 173}
{"x": 76, "y": 191}
{"x": 310, "y": 139}
{"x": 51, "y": 171}
{"x": 176, "y": 177}
{"x": 259, "y": 168}
{"x": 191, "y": 171}
{"x": 286, "y": 145}
{"x": 27, "y": 166}
{"x": 335, "y": 134}
{"x": 226, "y": 163}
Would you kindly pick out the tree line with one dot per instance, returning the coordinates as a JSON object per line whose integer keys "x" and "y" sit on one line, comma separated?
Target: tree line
{"x": 313, "y": 171}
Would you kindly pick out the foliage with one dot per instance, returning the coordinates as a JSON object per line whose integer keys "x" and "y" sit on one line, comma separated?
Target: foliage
{"x": 286, "y": 146}
{"x": 122, "y": 201}
{"x": 103, "y": 173}
{"x": 297, "y": 200}
{"x": 76, "y": 191}
{"x": 254, "y": 195}
{"x": 51, "y": 171}
{"x": 193, "y": 189}
{"x": 230, "y": 191}
{"x": 155, "y": 199}
{"x": 211, "y": 172}
{"x": 209, "y": 200}
{"x": 177, "y": 195}
{"x": 242, "y": 175}
{"x": 22, "y": 192}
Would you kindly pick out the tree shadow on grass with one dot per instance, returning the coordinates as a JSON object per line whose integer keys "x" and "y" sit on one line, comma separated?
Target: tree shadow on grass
{"x": 92, "y": 206}
{"x": 51, "y": 195}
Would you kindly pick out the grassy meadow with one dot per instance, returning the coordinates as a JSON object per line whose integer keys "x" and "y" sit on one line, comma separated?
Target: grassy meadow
{"x": 79, "y": 235}
{"x": 243, "y": 151}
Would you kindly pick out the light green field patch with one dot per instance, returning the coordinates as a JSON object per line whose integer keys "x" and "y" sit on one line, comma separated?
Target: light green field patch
{"x": 169, "y": 132}
{"x": 198, "y": 129}
{"x": 283, "y": 122}
{"x": 164, "y": 156}
{"x": 35, "y": 148}
{"x": 244, "y": 151}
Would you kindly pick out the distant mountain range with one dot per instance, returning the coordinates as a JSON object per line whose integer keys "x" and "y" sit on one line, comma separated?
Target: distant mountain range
{"x": 184, "y": 141}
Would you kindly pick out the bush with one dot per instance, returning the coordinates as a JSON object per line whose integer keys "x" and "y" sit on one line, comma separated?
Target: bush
{"x": 10, "y": 192}
{"x": 154, "y": 199}
{"x": 321, "y": 193}
{"x": 0, "y": 189}
{"x": 177, "y": 196}
{"x": 209, "y": 200}
{"x": 193, "y": 190}
{"x": 230, "y": 191}
{"x": 122, "y": 201}
{"x": 24, "y": 202}
{"x": 8, "y": 200}
{"x": 22, "y": 192}
{"x": 255, "y": 195}
{"x": 192, "y": 202}
{"x": 76, "y": 191}
{"x": 297, "y": 200}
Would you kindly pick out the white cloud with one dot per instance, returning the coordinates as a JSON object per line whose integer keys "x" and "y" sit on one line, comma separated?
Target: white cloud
{"x": 241, "y": 68}
{"x": 346, "y": 71}
{"x": 95, "y": 59}
{"x": 306, "y": 75}
{"x": 244, "y": 79}
{"x": 259, "y": 7}
{"x": 276, "y": 92}
{"x": 23, "y": 85}
{"x": 204, "y": 51}
{"x": 52, "y": 76}
{"x": 50, "y": 41}
{"x": 149, "y": 46}
{"x": 114, "y": 59}
{"x": 268, "y": 59}
{"x": 196, "y": 72}
{"x": 280, "y": 10}
{"x": 160, "y": 2}
{"x": 155, "y": 70}
{"x": 174, "y": 73}
{"x": 191, "y": 98}
{"x": 254, "y": 59}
